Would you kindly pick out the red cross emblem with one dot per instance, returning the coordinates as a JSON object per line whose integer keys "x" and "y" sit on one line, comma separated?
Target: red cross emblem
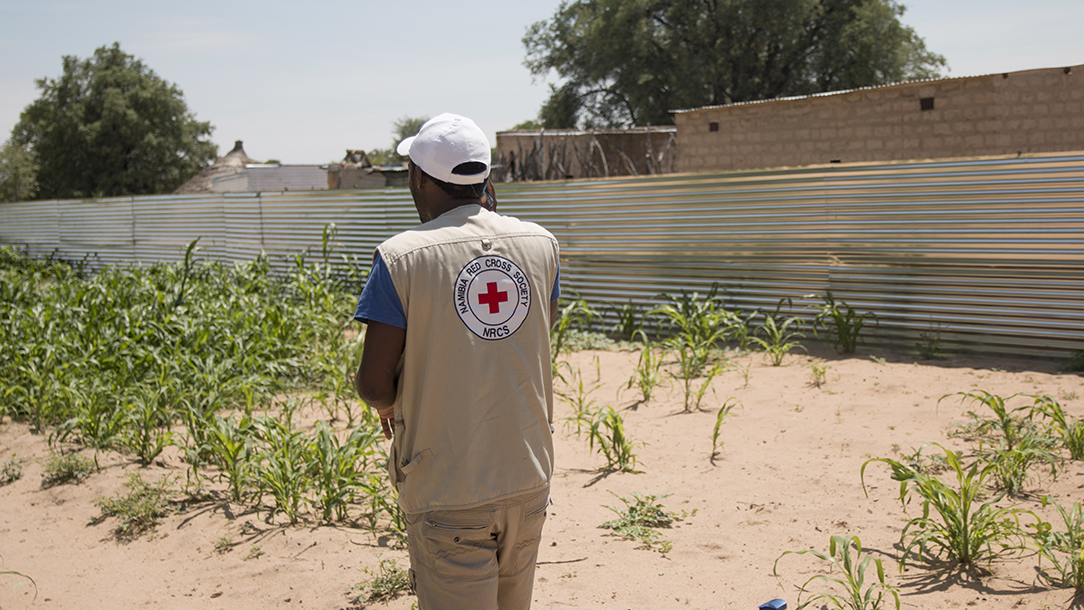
{"x": 493, "y": 297}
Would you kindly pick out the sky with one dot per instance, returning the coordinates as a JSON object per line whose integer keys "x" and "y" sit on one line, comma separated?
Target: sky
{"x": 302, "y": 83}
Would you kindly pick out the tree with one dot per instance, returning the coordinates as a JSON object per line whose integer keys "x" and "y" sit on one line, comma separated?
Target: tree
{"x": 631, "y": 62}
{"x": 18, "y": 173}
{"x": 402, "y": 129}
{"x": 110, "y": 126}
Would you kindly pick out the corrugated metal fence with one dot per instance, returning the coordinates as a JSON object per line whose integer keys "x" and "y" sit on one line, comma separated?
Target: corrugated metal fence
{"x": 990, "y": 253}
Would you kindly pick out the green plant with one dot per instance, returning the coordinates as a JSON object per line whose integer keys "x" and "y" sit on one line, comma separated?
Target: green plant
{"x": 10, "y": 471}
{"x": 953, "y": 524}
{"x": 724, "y": 412}
{"x": 628, "y": 320}
{"x": 229, "y": 448}
{"x": 696, "y": 327}
{"x": 338, "y": 468}
{"x": 580, "y": 397}
{"x": 283, "y": 466}
{"x": 1011, "y": 466}
{"x": 224, "y": 545}
{"x": 1010, "y": 424}
{"x": 818, "y": 373}
{"x": 384, "y": 500}
{"x": 852, "y": 567}
{"x": 640, "y": 518}
{"x": 386, "y": 583}
{"x": 929, "y": 345}
{"x": 1070, "y": 430}
{"x": 138, "y": 511}
{"x": 61, "y": 469}
{"x": 21, "y": 575}
{"x": 648, "y": 375}
{"x": 745, "y": 374}
{"x": 693, "y": 398}
{"x": 254, "y": 552}
{"x": 1064, "y": 550}
{"x": 1075, "y": 363}
{"x": 574, "y": 313}
{"x": 146, "y": 430}
{"x": 606, "y": 429}
{"x": 842, "y": 323}
{"x": 777, "y": 341}
{"x": 929, "y": 465}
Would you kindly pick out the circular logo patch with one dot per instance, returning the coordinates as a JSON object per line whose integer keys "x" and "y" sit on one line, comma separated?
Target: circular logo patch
{"x": 492, "y": 297}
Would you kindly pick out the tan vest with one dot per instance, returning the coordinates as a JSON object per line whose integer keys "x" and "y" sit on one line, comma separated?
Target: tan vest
{"x": 475, "y": 396}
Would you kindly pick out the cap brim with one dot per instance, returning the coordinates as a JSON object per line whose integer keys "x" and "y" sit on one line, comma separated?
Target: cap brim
{"x": 404, "y": 146}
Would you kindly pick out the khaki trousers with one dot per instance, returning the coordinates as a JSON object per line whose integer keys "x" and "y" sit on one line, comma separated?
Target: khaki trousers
{"x": 480, "y": 558}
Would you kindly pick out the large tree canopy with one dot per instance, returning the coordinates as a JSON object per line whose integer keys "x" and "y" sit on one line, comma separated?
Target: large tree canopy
{"x": 18, "y": 174}
{"x": 631, "y": 62}
{"x": 110, "y": 126}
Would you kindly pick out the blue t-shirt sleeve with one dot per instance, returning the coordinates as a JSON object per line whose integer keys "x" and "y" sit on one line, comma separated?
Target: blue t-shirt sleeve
{"x": 379, "y": 301}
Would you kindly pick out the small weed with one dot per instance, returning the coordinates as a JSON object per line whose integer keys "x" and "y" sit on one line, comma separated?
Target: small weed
{"x": 1070, "y": 395}
{"x": 224, "y": 545}
{"x": 878, "y": 360}
{"x": 388, "y": 582}
{"x": 138, "y": 510}
{"x": 929, "y": 465}
{"x": 62, "y": 469}
{"x": 1075, "y": 363}
{"x": 640, "y": 518}
{"x": 254, "y": 552}
{"x": 818, "y": 373}
{"x": 929, "y": 345}
{"x": 10, "y": 471}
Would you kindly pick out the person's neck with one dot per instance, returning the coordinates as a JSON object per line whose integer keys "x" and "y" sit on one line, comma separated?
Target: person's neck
{"x": 444, "y": 206}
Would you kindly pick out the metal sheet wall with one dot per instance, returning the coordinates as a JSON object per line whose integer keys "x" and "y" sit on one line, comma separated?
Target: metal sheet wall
{"x": 988, "y": 252}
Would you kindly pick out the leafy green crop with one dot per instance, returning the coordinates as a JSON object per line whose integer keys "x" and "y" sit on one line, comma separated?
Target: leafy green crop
{"x": 954, "y": 524}
{"x": 852, "y": 580}
{"x": 841, "y": 321}
{"x": 1064, "y": 550}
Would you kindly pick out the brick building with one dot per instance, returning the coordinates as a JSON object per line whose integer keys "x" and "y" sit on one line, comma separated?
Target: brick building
{"x": 992, "y": 115}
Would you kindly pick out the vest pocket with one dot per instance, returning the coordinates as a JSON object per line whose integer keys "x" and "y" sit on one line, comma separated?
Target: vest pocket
{"x": 408, "y": 467}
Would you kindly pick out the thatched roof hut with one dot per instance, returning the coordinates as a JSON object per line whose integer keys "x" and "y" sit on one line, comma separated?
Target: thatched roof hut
{"x": 232, "y": 163}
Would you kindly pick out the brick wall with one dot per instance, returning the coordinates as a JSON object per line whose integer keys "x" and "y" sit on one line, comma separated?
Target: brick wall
{"x": 1002, "y": 114}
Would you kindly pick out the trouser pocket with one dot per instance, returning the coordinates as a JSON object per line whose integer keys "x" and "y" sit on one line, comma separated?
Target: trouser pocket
{"x": 459, "y": 549}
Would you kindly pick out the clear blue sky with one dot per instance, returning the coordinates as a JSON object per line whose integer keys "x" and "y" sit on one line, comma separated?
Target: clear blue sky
{"x": 301, "y": 83}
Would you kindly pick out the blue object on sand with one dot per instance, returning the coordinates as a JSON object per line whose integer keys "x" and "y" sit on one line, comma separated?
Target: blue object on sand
{"x": 775, "y": 604}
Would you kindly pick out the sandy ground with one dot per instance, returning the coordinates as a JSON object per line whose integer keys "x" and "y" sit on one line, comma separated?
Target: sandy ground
{"x": 785, "y": 478}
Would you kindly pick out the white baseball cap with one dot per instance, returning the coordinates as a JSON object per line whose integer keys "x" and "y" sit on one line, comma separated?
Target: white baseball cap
{"x": 447, "y": 141}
